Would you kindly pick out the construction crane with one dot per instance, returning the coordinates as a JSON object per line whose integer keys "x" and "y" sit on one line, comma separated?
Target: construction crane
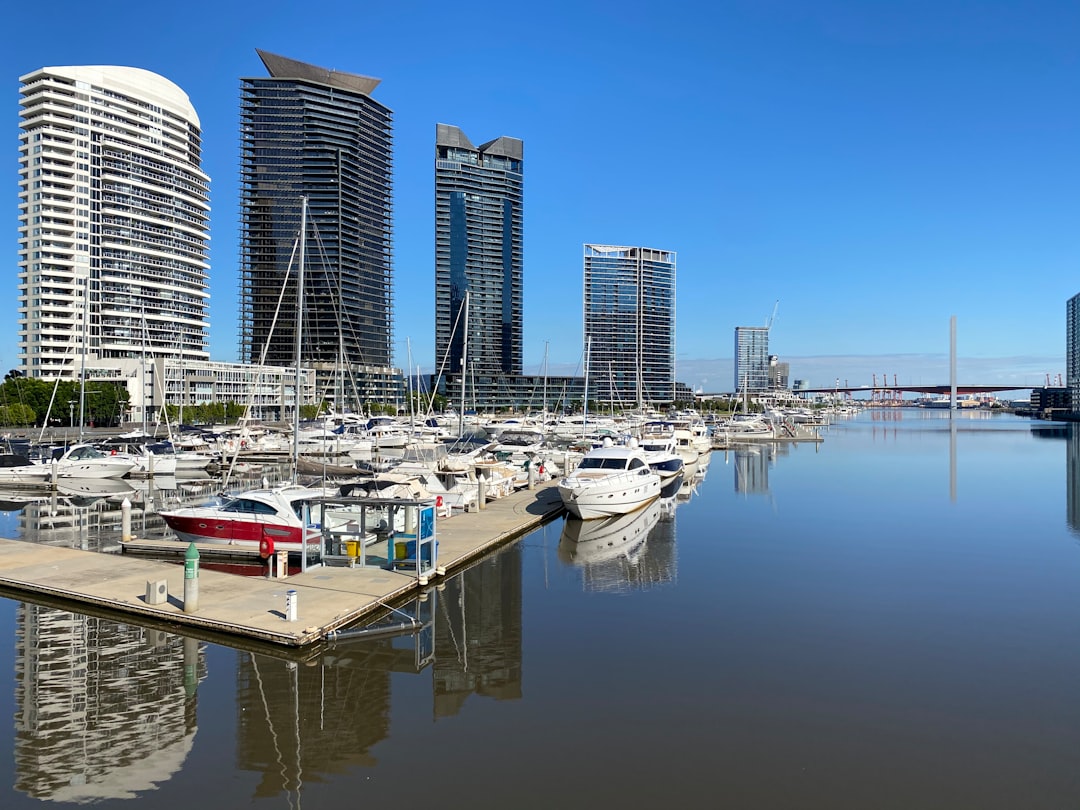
{"x": 769, "y": 322}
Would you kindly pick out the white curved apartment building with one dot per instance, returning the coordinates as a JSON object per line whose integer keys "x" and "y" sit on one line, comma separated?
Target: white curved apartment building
{"x": 113, "y": 221}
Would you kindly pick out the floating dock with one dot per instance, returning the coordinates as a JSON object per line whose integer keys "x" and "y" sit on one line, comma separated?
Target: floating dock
{"x": 325, "y": 598}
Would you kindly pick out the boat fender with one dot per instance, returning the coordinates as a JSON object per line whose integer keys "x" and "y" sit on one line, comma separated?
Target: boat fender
{"x": 438, "y": 501}
{"x": 266, "y": 548}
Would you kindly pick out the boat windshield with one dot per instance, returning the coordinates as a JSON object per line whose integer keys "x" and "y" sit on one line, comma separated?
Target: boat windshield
{"x": 602, "y": 464}
{"x": 248, "y": 505}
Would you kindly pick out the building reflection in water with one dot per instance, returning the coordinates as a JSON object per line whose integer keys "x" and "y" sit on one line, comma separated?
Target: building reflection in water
{"x": 103, "y": 710}
{"x": 478, "y": 633}
{"x": 301, "y": 722}
{"x": 1072, "y": 479}
{"x": 624, "y": 553}
{"x": 298, "y": 723}
{"x": 87, "y": 514}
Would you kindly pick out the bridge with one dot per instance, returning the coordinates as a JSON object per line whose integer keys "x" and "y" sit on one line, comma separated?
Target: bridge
{"x": 915, "y": 389}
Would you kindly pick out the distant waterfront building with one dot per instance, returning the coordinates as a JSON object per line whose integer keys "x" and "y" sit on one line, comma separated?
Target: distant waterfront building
{"x": 113, "y": 220}
{"x": 779, "y": 373}
{"x": 630, "y": 324}
{"x": 751, "y": 359}
{"x": 309, "y": 131}
{"x": 1072, "y": 348}
{"x": 478, "y": 249}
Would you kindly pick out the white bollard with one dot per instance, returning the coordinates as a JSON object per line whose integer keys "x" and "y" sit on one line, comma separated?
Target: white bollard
{"x": 481, "y": 493}
{"x": 125, "y": 520}
{"x": 290, "y": 606}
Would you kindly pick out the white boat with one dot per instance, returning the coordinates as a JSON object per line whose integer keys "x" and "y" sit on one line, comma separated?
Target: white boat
{"x": 743, "y": 429}
{"x": 610, "y": 480}
{"x": 658, "y": 443}
{"x": 147, "y": 462}
{"x": 86, "y": 461}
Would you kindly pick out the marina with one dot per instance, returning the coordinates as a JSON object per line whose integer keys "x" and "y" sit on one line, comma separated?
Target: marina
{"x": 329, "y": 597}
{"x": 762, "y": 629}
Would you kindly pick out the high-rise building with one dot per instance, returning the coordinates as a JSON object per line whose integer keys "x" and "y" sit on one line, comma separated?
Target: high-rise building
{"x": 478, "y": 250}
{"x": 751, "y": 359}
{"x": 1072, "y": 349}
{"x": 311, "y": 132}
{"x": 113, "y": 220}
{"x": 779, "y": 373}
{"x": 630, "y": 324}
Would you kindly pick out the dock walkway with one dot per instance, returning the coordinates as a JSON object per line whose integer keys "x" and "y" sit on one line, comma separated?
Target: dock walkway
{"x": 327, "y": 598}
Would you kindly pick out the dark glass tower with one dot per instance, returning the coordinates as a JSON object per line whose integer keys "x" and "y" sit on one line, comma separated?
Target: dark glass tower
{"x": 309, "y": 131}
{"x": 630, "y": 324}
{"x": 478, "y": 248}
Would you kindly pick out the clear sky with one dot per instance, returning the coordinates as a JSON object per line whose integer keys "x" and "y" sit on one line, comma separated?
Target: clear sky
{"x": 876, "y": 166}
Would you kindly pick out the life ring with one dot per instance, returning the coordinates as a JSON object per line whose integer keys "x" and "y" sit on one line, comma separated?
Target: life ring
{"x": 243, "y": 444}
{"x": 266, "y": 548}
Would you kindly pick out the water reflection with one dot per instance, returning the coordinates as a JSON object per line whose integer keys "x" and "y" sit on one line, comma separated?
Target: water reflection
{"x": 478, "y": 634}
{"x": 629, "y": 552}
{"x": 1072, "y": 480}
{"x": 103, "y": 710}
{"x": 87, "y": 514}
{"x": 297, "y": 723}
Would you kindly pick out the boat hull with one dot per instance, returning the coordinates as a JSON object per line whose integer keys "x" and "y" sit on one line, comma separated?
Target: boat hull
{"x": 609, "y": 499}
{"x": 208, "y": 526}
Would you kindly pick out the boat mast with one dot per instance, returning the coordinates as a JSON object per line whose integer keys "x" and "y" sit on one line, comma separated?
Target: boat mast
{"x": 464, "y": 366}
{"x": 299, "y": 334}
{"x": 85, "y": 348}
{"x": 544, "y": 410}
{"x": 585, "y": 403}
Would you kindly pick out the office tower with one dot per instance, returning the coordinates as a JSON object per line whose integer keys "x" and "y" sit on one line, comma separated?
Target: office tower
{"x": 1072, "y": 350}
{"x": 751, "y": 359}
{"x": 630, "y": 324}
{"x": 306, "y": 131}
{"x": 478, "y": 249}
{"x": 113, "y": 220}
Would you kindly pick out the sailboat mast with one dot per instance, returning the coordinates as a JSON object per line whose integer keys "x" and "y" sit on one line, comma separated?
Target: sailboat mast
{"x": 544, "y": 410}
{"x": 299, "y": 333}
{"x": 464, "y": 366}
{"x": 585, "y": 404}
{"x": 85, "y": 348}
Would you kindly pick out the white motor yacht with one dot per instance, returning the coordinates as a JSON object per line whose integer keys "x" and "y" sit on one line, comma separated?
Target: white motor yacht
{"x": 610, "y": 480}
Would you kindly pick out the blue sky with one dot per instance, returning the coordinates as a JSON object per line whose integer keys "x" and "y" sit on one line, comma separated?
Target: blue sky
{"x": 876, "y": 166}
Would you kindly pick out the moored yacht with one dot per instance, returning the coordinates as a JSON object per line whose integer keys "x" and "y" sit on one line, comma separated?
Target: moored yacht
{"x": 610, "y": 480}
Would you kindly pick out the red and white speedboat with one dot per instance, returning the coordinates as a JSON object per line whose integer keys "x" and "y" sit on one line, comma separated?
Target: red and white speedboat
{"x": 280, "y": 515}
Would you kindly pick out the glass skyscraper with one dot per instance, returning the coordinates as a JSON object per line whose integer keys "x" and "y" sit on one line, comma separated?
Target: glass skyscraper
{"x": 630, "y": 324}
{"x": 113, "y": 220}
{"x": 311, "y": 132}
{"x": 1072, "y": 349}
{"x": 751, "y": 359}
{"x": 478, "y": 249}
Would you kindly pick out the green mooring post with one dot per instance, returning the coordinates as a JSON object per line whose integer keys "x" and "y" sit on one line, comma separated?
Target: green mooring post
{"x": 191, "y": 579}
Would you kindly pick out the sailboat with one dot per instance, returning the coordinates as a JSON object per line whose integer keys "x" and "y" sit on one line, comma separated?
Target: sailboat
{"x": 267, "y": 517}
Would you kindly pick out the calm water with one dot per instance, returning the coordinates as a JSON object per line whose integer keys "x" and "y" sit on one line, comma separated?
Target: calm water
{"x": 888, "y": 620}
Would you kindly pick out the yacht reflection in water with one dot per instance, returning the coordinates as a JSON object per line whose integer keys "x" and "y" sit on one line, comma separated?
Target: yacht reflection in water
{"x": 624, "y": 553}
{"x": 103, "y": 710}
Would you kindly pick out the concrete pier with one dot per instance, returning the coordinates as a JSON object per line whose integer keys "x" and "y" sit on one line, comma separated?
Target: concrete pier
{"x": 327, "y": 598}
